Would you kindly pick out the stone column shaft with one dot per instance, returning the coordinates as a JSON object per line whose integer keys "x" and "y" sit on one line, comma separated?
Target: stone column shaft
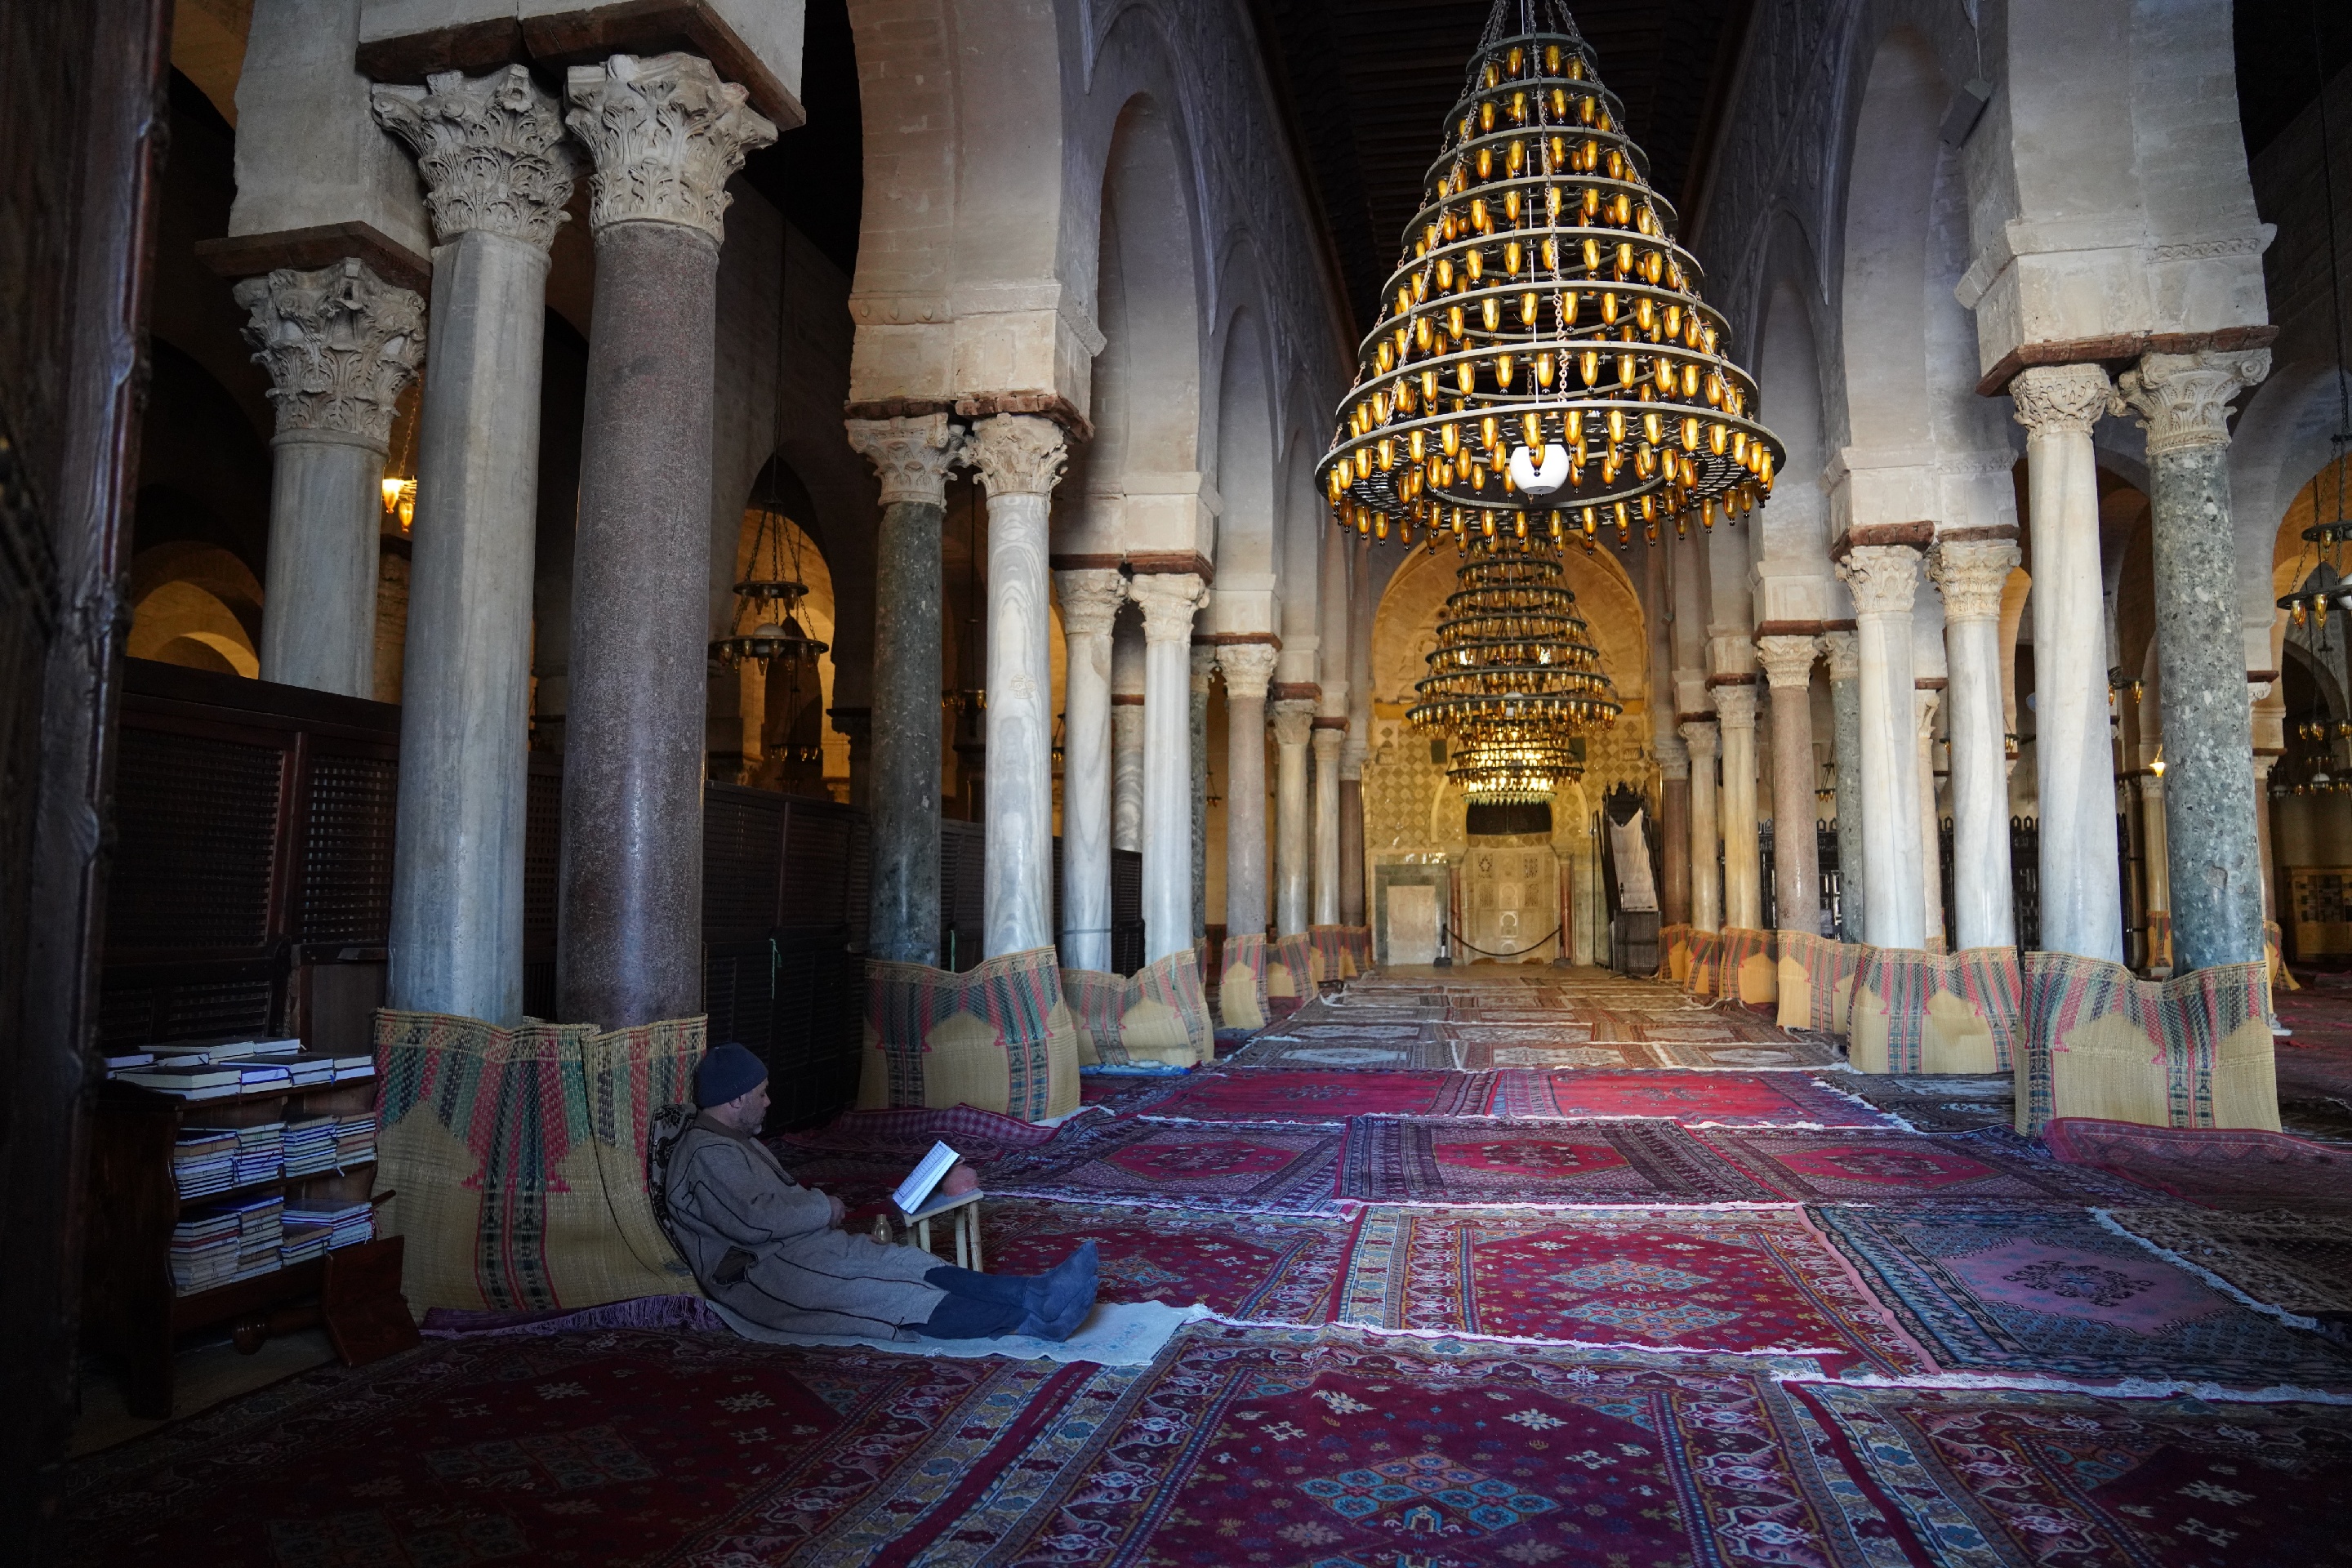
{"x": 499, "y": 173}
{"x": 1168, "y": 601}
{"x": 1204, "y": 665}
{"x": 1884, "y": 578}
{"x": 1090, "y": 601}
{"x": 340, "y": 344}
{"x": 664, "y": 133}
{"x": 1247, "y": 666}
{"x": 2213, "y": 841}
{"x": 2152, "y": 824}
{"x": 1327, "y": 743}
{"x": 1294, "y": 722}
{"x": 1126, "y": 735}
{"x": 1705, "y": 876}
{"x": 1925, "y": 701}
{"x": 1845, "y": 742}
{"x": 1020, "y": 458}
{"x": 1787, "y": 664}
{"x": 1743, "y": 891}
{"x": 911, "y": 456}
{"x": 2082, "y": 894}
{"x": 1674, "y": 830}
{"x": 2263, "y": 762}
{"x": 1971, "y": 574}
{"x": 1354, "y": 906}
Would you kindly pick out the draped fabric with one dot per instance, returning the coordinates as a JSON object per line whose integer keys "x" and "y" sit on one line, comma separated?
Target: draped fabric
{"x": 1241, "y": 986}
{"x": 518, "y": 1158}
{"x": 1745, "y": 966}
{"x": 1920, "y": 1011}
{"x": 1817, "y": 981}
{"x": 2100, "y": 1043}
{"x": 999, "y": 1037}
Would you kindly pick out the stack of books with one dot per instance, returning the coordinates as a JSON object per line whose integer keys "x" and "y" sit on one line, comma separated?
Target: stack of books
{"x": 204, "y": 1248}
{"x": 204, "y": 1161}
{"x": 301, "y": 1070}
{"x": 346, "y": 1224}
{"x": 261, "y": 1228}
{"x": 303, "y": 1242}
{"x": 188, "y": 1080}
{"x": 356, "y": 1139}
{"x": 357, "y": 1064}
{"x": 310, "y": 1145}
{"x": 260, "y": 1153}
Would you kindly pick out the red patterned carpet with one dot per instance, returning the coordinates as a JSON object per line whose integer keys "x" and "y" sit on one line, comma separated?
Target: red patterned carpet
{"x": 1509, "y": 1269}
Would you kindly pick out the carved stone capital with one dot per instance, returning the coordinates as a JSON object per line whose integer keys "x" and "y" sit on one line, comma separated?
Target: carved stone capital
{"x": 1352, "y": 757}
{"x": 1699, "y": 739}
{"x": 2183, "y": 400}
{"x": 664, "y": 132}
{"x": 2061, "y": 398}
{"x": 1673, "y": 757}
{"x": 1248, "y": 668}
{"x": 1735, "y": 707}
{"x": 1018, "y": 454}
{"x": 340, "y": 344}
{"x": 1971, "y": 573}
{"x": 1925, "y": 700}
{"x": 1293, "y": 720}
{"x": 1168, "y": 600}
{"x": 1326, "y": 746}
{"x": 1204, "y": 664}
{"x": 1844, "y": 654}
{"x": 1090, "y": 599}
{"x": 1788, "y": 662}
{"x": 491, "y": 149}
{"x": 1883, "y": 578}
{"x": 911, "y": 456}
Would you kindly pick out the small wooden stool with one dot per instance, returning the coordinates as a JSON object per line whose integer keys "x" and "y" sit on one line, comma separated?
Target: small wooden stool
{"x": 965, "y": 1207}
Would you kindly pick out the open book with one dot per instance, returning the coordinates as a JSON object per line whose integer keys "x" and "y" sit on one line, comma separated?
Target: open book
{"x": 916, "y": 1189}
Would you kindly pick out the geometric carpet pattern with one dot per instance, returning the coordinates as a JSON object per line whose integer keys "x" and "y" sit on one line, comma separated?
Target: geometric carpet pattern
{"x": 1509, "y": 1268}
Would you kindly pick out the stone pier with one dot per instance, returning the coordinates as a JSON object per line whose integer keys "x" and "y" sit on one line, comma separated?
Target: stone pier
{"x": 1743, "y": 889}
{"x": 1883, "y": 578}
{"x": 1294, "y": 723}
{"x": 1248, "y": 667}
{"x": 1090, "y": 599}
{"x": 1705, "y": 873}
{"x": 1971, "y": 573}
{"x": 1787, "y": 664}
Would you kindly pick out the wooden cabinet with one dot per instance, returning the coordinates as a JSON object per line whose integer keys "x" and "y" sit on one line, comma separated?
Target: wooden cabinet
{"x": 2320, "y": 910}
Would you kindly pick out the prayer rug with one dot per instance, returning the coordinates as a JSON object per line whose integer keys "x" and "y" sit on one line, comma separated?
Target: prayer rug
{"x": 2321, "y": 1118}
{"x": 2313, "y": 1066}
{"x": 1117, "y": 1093}
{"x": 2059, "y": 1293}
{"x": 1285, "y": 1047}
{"x": 1777, "y": 1057}
{"x": 2298, "y": 1263}
{"x": 2192, "y": 1051}
{"x": 621, "y": 1447}
{"x": 1989, "y": 1477}
{"x": 1243, "y": 1166}
{"x": 1321, "y": 1097}
{"x": 1295, "y": 1447}
{"x": 1280, "y": 1268}
{"x": 1733, "y": 1280}
{"x": 1486, "y": 1047}
{"x": 1400, "y": 1160}
{"x": 1839, "y": 1167}
{"x": 1940, "y": 1102}
{"x": 2222, "y": 1168}
{"x": 1692, "y": 1098}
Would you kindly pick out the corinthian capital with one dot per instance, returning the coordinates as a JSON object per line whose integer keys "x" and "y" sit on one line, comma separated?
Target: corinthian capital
{"x": 1168, "y": 600}
{"x": 1699, "y": 740}
{"x": 1673, "y": 757}
{"x": 340, "y": 344}
{"x": 1293, "y": 720}
{"x": 911, "y": 456}
{"x": 1971, "y": 573}
{"x": 664, "y": 132}
{"x": 2061, "y": 398}
{"x": 1018, "y": 454}
{"x": 491, "y": 149}
{"x": 1090, "y": 601}
{"x": 2183, "y": 400}
{"x": 1881, "y": 577}
{"x": 1735, "y": 707}
{"x": 1844, "y": 654}
{"x": 1204, "y": 665}
{"x": 1248, "y": 667}
{"x": 1787, "y": 661}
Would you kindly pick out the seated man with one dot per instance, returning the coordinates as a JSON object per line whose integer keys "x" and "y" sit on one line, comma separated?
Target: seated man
{"x": 766, "y": 1247}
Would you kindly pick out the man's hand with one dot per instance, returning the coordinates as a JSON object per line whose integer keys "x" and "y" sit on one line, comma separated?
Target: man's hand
{"x": 959, "y": 1181}
{"x": 840, "y": 1209}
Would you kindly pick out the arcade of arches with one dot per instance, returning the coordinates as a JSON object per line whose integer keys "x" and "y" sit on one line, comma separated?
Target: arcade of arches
{"x": 800, "y": 520}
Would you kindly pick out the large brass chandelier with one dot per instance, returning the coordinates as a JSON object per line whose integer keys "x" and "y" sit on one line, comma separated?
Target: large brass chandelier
{"x": 1543, "y": 365}
{"x": 1514, "y": 676}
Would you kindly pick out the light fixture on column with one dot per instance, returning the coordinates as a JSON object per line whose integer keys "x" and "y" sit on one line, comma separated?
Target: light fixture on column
{"x": 1543, "y": 364}
{"x": 767, "y": 598}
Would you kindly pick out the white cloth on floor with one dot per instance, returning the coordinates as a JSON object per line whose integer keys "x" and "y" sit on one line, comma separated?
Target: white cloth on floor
{"x": 1126, "y": 1334}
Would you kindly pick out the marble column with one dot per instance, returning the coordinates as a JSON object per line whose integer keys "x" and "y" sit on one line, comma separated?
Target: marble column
{"x": 2160, "y": 880}
{"x": 1787, "y": 664}
{"x": 1168, "y": 601}
{"x": 1090, "y": 601}
{"x": 1673, "y": 829}
{"x": 911, "y": 458}
{"x": 498, "y": 174}
{"x": 1204, "y": 664}
{"x": 1706, "y": 875}
{"x": 2082, "y": 893}
{"x": 1248, "y": 668}
{"x": 1351, "y": 838}
{"x": 1020, "y": 458}
{"x": 2212, "y": 839}
{"x": 1971, "y": 573}
{"x": 1294, "y": 723}
{"x": 563, "y": 404}
{"x": 1925, "y": 700}
{"x": 1883, "y": 578}
{"x": 1743, "y": 888}
{"x": 2263, "y": 762}
{"x": 1127, "y": 735}
{"x": 1354, "y": 906}
{"x": 1331, "y": 735}
{"x": 664, "y": 133}
{"x": 1845, "y": 742}
{"x": 340, "y": 344}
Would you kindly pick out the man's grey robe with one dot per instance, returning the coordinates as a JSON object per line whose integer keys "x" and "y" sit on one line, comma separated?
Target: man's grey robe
{"x": 762, "y": 1244}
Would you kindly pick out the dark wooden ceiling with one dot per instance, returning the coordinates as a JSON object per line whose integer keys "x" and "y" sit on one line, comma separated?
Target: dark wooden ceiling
{"x": 1368, "y": 84}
